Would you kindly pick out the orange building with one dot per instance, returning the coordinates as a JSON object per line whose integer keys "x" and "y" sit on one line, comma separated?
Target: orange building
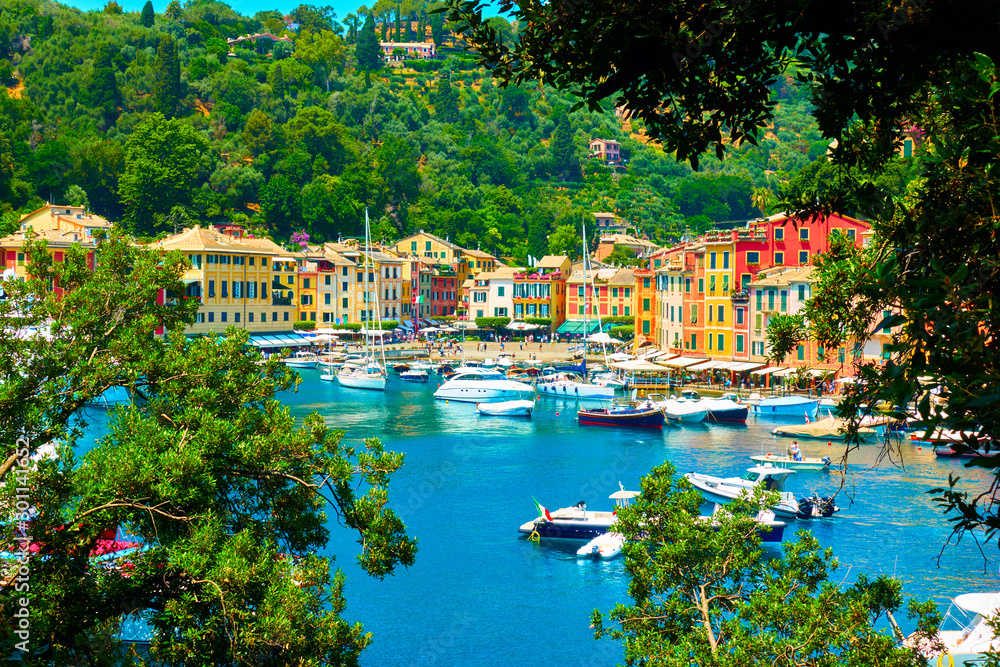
{"x": 540, "y": 291}
{"x": 645, "y": 306}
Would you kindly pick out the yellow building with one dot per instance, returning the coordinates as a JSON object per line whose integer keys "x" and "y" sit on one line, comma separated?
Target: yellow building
{"x": 62, "y": 227}
{"x": 335, "y": 289}
{"x": 719, "y": 276}
{"x": 430, "y": 246}
{"x": 245, "y": 282}
{"x": 474, "y": 262}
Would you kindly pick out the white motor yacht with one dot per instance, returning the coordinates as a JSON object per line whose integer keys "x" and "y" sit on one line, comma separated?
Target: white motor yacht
{"x": 724, "y": 489}
{"x": 301, "y": 360}
{"x": 482, "y": 385}
{"x": 966, "y": 632}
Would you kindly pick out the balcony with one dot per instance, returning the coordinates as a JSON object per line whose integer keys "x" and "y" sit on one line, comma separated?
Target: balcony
{"x": 743, "y": 296}
{"x": 281, "y": 300}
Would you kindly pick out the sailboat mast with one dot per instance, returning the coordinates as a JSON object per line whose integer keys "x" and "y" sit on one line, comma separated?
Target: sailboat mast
{"x": 378, "y": 315}
{"x": 586, "y": 294}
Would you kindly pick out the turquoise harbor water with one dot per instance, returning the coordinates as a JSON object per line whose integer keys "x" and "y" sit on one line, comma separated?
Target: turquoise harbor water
{"x": 480, "y": 594}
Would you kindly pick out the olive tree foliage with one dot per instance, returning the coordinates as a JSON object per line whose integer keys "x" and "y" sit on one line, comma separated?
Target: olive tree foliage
{"x": 704, "y": 591}
{"x": 698, "y": 75}
{"x": 227, "y": 494}
{"x": 783, "y": 334}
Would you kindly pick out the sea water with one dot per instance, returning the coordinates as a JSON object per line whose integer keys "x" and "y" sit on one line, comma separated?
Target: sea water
{"x": 481, "y": 594}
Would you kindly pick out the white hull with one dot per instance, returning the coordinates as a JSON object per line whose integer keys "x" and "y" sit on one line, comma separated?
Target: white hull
{"x": 414, "y": 376}
{"x": 507, "y": 408}
{"x": 688, "y": 416}
{"x": 606, "y": 546}
{"x": 716, "y": 489}
{"x": 300, "y": 364}
{"x": 575, "y": 390}
{"x": 374, "y": 382}
{"x": 481, "y": 394}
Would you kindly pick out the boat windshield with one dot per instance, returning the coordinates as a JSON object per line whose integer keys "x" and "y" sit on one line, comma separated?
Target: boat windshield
{"x": 957, "y": 619}
{"x": 751, "y": 476}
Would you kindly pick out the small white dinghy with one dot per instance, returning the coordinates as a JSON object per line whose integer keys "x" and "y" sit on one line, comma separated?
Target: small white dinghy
{"x": 604, "y": 546}
{"x": 519, "y": 408}
{"x": 414, "y": 375}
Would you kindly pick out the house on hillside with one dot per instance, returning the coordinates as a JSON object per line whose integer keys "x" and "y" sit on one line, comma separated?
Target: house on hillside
{"x": 410, "y": 50}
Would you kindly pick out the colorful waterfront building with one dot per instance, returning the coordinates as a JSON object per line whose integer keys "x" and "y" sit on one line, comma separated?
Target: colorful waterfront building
{"x": 244, "y": 282}
{"x": 540, "y": 291}
{"x": 605, "y": 292}
{"x": 645, "y": 306}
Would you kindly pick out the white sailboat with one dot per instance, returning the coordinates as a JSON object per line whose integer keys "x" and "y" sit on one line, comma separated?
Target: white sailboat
{"x": 568, "y": 385}
{"x": 371, "y": 374}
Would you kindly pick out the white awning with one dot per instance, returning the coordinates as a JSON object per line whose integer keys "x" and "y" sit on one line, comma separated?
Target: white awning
{"x": 375, "y": 333}
{"x": 818, "y": 371}
{"x": 684, "y": 362}
{"x": 850, "y": 380}
{"x": 784, "y": 373}
{"x": 640, "y": 365}
{"x": 282, "y": 259}
{"x": 745, "y": 366}
{"x": 768, "y": 371}
{"x": 703, "y": 367}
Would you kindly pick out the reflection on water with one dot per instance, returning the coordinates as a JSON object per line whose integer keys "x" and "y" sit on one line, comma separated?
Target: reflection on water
{"x": 468, "y": 483}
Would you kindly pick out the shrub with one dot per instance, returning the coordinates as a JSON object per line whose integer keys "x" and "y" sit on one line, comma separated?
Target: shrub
{"x": 617, "y": 319}
{"x": 622, "y": 332}
{"x": 304, "y": 325}
{"x": 540, "y": 321}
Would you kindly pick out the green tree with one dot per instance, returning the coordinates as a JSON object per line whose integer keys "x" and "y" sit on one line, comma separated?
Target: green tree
{"x": 161, "y": 170}
{"x": 437, "y": 29}
{"x": 281, "y": 204}
{"x": 367, "y": 52}
{"x": 227, "y": 494}
{"x": 565, "y": 160}
{"x": 323, "y": 51}
{"x": 445, "y": 101}
{"x": 565, "y": 240}
{"x": 784, "y": 332}
{"x": 623, "y": 256}
{"x": 316, "y": 19}
{"x": 148, "y": 16}
{"x": 704, "y": 592}
{"x": 166, "y": 77}
{"x": 257, "y": 133}
{"x": 395, "y": 161}
{"x": 492, "y": 323}
{"x": 173, "y": 10}
{"x": 102, "y": 88}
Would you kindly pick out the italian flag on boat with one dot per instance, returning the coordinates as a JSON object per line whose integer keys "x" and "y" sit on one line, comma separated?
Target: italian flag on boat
{"x": 542, "y": 511}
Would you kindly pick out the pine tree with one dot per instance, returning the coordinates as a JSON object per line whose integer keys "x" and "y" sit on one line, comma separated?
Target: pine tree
{"x": 565, "y": 162}
{"x": 445, "y": 100}
{"x": 367, "y": 51}
{"x": 399, "y": 27}
{"x": 148, "y": 16}
{"x": 437, "y": 29}
{"x": 277, "y": 82}
{"x": 166, "y": 77}
{"x": 102, "y": 88}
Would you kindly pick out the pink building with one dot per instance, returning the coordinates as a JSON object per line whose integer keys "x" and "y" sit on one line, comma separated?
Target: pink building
{"x": 606, "y": 149}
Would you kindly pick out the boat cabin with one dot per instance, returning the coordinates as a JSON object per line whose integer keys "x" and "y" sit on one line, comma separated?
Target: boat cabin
{"x": 772, "y": 478}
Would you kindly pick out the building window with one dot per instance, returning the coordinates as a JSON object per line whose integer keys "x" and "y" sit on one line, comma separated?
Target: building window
{"x": 614, "y": 292}
{"x": 722, "y": 314}
{"x": 711, "y": 284}
{"x": 687, "y": 285}
{"x": 326, "y": 299}
{"x": 274, "y": 317}
{"x": 753, "y": 257}
{"x": 250, "y": 315}
{"x": 211, "y": 288}
{"x": 760, "y": 300}
{"x": 804, "y": 234}
{"x": 645, "y": 327}
{"x": 694, "y": 313}
{"x": 701, "y": 285}
{"x": 803, "y": 257}
{"x": 211, "y": 317}
{"x": 725, "y": 260}
{"x": 885, "y": 316}
{"x": 645, "y": 283}
{"x": 711, "y": 337}
{"x": 225, "y": 289}
{"x": 802, "y": 293}
{"x": 286, "y": 316}
{"x": 236, "y": 317}
{"x": 499, "y": 290}
{"x": 343, "y": 302}
{"x": 851, "y": 235}
{"x": 757, "y": 321}
{"x": 800, "y": 352}
{"x": 739, "y": 316}
{"x": 614, "y": 311}
{"x": 645, "y": 305}
{"x": 711, "y": 262}
{"x": 784, "y": 301}
{"x": 627, "y": 311}
{"x": 779, "y": 233}
{"x": 779, "y": 259}
{"x": 694, "y": 341}
{"x": 739, "y": 343}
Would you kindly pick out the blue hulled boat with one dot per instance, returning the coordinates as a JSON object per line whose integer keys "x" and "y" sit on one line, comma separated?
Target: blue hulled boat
{"x": 624, "y": 413}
